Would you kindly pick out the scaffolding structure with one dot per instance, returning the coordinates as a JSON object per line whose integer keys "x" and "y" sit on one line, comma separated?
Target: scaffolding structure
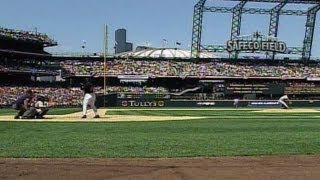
{"x": 305, "y": 51}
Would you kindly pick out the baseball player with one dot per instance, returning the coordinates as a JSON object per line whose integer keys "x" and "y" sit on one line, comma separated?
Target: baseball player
{"x": 41, "y": 107}
{"x": 89, "y": 99}
{"x": 282, "y": 101}
{"x": 37, "y": 110}
{"x": 22, "y": 103}
{"x": 235, "y": 102}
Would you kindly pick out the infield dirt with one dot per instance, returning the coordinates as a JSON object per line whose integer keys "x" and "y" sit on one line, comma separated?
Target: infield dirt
{"x": 283, "y": 168}
{"x": 76, "y": 117}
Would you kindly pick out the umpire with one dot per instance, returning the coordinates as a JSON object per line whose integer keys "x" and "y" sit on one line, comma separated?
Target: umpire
{"x": 22, "y": 103}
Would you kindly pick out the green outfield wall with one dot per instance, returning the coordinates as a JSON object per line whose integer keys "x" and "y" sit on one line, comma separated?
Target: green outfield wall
{"x": 115, "y": 101}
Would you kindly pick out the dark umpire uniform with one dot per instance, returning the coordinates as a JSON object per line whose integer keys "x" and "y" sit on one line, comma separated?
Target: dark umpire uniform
{"x": 22, "y": 103}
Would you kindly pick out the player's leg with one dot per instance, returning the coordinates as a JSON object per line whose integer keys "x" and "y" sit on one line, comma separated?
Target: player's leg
{"x": 283, "y": 104}
{"x": 30, "y": 113}
{"x": 286, "y": 105}
{"x": 22, "y": 110}
{"x": 85, "y": 105}
{"x": 93, "y": 106}
{"x": 15, "y": 107}
{"x": 44, "y": 112}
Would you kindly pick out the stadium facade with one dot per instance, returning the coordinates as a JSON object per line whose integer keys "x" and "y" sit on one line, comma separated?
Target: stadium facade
{"x": 140, "y": 79}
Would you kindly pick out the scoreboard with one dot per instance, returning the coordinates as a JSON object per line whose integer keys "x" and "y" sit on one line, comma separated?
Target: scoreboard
{"x": 254, "y": 88}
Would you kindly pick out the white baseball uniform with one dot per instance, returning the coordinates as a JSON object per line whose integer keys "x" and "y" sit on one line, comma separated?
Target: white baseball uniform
{"x": 282, "y": 99}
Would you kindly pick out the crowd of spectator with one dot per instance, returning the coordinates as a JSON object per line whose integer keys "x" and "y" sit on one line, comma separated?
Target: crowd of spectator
{"x": 57, "y": 96}
{"x": 73, "y": 96}
{"x": 60, "y": 96}
{"x": 26, "y": 68}
{"x": 26, "y": 36}
{"x": 176, "y": 69}
{"x": 122, "y": 67}
{"x": 198, "y": 69}
{"x": 302, "y": 88}
{"x": 136, "y": 90}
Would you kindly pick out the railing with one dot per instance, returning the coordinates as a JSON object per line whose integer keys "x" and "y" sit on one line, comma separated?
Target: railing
{"x": 78, "y": 54}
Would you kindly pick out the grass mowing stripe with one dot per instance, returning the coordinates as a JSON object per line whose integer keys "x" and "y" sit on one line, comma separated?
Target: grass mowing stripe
{"x": 143, "y": 145}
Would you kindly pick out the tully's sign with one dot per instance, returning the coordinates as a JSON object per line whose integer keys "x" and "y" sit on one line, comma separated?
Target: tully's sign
{"x": 142, "y": 103}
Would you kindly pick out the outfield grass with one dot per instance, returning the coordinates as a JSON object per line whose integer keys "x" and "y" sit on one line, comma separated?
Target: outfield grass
{"x": 5, "y": 112}
{"x": 219, "y": 113}
{"x": 221, "y": 133}
{"x": 63, "y": 111}
{"x": 53, "y": 111}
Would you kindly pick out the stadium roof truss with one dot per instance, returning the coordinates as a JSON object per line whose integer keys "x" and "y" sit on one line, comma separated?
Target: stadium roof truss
{"x": 240, "y": 9}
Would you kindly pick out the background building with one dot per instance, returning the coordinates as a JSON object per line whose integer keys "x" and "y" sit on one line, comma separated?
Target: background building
{"x": 121, "y": 44}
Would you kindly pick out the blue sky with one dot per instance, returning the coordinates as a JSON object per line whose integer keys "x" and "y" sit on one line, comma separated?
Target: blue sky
{"x": 72, "y": 21}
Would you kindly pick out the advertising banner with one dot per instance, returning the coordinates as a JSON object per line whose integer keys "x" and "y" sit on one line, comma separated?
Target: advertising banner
{"x": 264, "y": 104}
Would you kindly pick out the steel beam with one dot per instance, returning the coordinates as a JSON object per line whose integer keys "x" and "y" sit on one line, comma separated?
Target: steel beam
{"x": 197, "y": 29}
{"x": 289, "y": 1}
{"x": 274, "y": 23}
{"x": 274, "y": 19}
{"x": 310, "y": 26}
{"x": 223, "y": 49}
{"x": 236, "y": 19}
{"x": 236, "y": 22}
{"x": 255, "y": 11}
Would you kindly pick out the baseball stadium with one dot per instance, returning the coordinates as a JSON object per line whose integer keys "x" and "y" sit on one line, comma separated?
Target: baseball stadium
{"x": 247, "y": 108}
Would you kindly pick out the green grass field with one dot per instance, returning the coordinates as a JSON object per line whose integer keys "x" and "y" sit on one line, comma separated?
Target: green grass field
{"x": 220, "y": 133}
